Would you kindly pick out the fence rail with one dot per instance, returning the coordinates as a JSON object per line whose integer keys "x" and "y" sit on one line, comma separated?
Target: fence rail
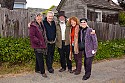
{"x": 14, "y": 23}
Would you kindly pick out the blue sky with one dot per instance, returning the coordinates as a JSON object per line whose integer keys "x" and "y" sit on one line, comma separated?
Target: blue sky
{"x": 44, "y": 3}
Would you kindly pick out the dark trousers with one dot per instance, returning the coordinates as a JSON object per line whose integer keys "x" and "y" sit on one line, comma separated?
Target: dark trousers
{"x": 88, "y": 65}
{"x": 64, "y": 56}
{"x": 50, "y": 55}
{"x": 78, "y": 61}
{"x": 39, "y": 62}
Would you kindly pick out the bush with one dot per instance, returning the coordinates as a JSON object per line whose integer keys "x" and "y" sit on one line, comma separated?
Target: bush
{"x": 15, "y": 51}
{"x": 122, "y": 18}
{"x": 110, "y": 49}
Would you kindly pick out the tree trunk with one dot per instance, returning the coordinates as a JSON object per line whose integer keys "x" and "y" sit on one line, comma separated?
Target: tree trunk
{"x": 7, "y": 4}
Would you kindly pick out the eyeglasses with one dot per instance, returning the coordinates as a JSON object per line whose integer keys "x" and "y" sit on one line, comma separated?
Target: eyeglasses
{"x": 83, "y": 22}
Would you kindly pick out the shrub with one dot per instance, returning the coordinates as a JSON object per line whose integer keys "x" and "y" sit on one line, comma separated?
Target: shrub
{"x": 14, "y": 50}
{"x": 122, "y": 18}
{"x": 110, "y": 49}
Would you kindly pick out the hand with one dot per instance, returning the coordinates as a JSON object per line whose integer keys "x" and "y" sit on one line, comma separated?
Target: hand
{"x": 93, "y": 32}
{"x": 29, "y": 24}
{"x": 93, "y": 52}
{"x": 70, "y": 56}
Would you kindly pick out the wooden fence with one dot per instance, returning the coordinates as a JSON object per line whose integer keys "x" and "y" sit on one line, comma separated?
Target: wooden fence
{"x": 14, "y": 23}
{"x": 107, "y": 31}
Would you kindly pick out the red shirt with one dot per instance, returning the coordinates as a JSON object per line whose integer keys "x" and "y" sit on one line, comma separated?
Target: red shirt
{"x": 72, "y": 34}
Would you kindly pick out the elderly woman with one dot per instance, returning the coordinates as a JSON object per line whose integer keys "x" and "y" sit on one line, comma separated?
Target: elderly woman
{"x": 74, "y": 26}
{"x": 87, "y": 45}
{"x": 38, "y": 43}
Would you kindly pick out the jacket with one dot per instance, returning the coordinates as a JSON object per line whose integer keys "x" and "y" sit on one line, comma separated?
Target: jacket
{"x": 36, "y": 36}
{"x": 59, "y": 36}
{"x": 91, "y": 42}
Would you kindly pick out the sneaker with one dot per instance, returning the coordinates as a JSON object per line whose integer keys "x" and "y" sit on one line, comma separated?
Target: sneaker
{"x": 44, "y": 75}
{"x": 62, "y": 69}
{"x": 51, "y": 70}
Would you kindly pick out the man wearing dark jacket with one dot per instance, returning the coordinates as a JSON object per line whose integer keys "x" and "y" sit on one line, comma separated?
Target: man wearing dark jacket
{"x": 50, "y": 27}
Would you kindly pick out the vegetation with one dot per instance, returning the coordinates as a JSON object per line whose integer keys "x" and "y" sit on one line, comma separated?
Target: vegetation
{"x": 122, "y": 3}
{"x": 122, "y": 18}
{"x": 7, "y": 4}
{"x": 50, "y": 9}
{"x": 16, "y": 55}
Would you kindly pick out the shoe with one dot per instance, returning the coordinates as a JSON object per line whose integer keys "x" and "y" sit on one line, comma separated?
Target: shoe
{"x": 77, "y": 73}
{"x": 51, "y": 70}
{"x": 62, "y": 69}
{"x": 74, "y": 70}
{"x": 70, "y": 71}
{"x": 37, "y": 71}
{"x": 44, "y": 75}
{"x": 85, "y": 77}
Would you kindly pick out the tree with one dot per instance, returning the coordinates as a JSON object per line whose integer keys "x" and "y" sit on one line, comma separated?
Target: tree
{"x": 122, "y": 3}
{"x": 7, "y": 4}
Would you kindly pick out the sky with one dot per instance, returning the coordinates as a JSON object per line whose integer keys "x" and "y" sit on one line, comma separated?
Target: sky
{"x": 44, "y": 3}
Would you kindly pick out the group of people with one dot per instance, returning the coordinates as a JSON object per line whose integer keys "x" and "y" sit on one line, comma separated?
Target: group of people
{"x": 71, "y": 37}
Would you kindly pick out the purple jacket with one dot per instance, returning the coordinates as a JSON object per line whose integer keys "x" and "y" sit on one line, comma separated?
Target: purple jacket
{"x": 36, "y": 37}
{"x": 91, "y": 43}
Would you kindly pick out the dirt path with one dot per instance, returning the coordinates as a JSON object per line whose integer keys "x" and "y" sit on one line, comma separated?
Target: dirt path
{"x": 104, "y": 72}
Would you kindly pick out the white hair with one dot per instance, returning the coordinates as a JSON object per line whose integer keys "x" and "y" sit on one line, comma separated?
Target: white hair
{"x": 50, "y": 12}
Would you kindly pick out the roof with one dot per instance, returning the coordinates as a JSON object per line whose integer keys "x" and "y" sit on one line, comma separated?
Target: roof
{"x": 97, "y": 4}
{"x": 103, "y": 4}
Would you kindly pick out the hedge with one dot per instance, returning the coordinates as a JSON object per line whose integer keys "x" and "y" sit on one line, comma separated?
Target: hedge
{"x": 18, "y": 50}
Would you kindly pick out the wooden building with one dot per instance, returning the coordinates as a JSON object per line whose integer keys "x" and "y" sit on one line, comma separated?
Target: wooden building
{"x": 95, "y": 10}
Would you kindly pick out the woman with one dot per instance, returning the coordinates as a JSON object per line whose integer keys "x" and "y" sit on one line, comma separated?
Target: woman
{"x": 38, "y": 43}
{"x": 74, "y": 25}
{"x": 88, "y": 45}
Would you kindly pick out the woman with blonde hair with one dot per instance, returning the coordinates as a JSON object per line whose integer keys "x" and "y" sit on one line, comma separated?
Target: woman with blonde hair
{"x": 74, "y": 30}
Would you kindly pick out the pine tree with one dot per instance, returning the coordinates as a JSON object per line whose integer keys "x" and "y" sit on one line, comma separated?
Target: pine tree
{"x": 122, "y": 3}
{"x": 7, "y": 4}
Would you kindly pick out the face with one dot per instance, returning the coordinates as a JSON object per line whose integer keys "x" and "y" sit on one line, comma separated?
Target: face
{"x": 83, "y": 24}
{"x": 39, "y": 18}
{"x": 50, "y": 17}
{"x": 62, "y": 19}
{"x": 73, "y": 23}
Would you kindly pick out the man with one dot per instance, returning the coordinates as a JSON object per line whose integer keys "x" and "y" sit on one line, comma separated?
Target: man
{"x": 89, "y": 46}
{"x": 63, "y": 42}
{"x": 50, "y": 27}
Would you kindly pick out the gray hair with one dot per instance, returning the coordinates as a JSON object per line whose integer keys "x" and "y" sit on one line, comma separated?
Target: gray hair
{"x": 50, "y": 12}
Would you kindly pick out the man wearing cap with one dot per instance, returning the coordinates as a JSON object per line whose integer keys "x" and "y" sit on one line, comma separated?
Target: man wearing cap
{"x": 88, "y": 47}
{"x": 63, "y": 42}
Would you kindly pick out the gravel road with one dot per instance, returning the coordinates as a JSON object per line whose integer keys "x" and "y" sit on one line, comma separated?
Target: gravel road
{"x": 103, "y": 72}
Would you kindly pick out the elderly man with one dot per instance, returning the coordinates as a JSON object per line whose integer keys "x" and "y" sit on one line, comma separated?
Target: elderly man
{"x": 63, "y": 41}
{"x": 50, "y": 27}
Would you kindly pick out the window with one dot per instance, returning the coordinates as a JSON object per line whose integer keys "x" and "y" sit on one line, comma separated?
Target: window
{"x": 98, "y": 16}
